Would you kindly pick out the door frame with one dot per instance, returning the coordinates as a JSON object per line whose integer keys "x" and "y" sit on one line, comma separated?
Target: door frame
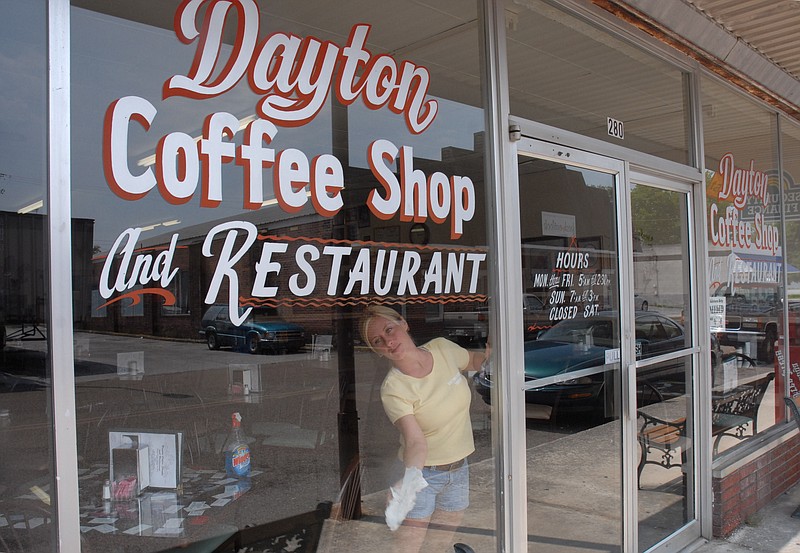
{"x": 540, "y": 141}
{"x": 691, "y": 531}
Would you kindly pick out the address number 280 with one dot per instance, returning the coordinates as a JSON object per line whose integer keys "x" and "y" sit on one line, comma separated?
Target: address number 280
{"x": 616, "y": 128}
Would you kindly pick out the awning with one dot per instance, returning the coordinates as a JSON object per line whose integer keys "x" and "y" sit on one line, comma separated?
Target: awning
{"x": 755, "y": 268}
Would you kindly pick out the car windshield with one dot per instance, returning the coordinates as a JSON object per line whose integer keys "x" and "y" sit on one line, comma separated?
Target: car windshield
{"x": 263, "y": 315}
{"x": 749, "y": 299}
{"x": 595, "y": 330}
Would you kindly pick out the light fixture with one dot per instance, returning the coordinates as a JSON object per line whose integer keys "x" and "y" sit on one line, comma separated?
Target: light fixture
{"x": 147, "y": 161}
{"x": 274, "y": 201}
{"x": 32, "y": 207}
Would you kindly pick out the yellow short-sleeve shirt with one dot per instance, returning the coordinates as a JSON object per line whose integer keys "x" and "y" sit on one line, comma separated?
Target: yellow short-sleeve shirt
{"x": 439, "y": 401}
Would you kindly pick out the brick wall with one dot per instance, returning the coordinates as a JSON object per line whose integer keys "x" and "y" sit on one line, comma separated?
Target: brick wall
{"x": 747, "y": 489}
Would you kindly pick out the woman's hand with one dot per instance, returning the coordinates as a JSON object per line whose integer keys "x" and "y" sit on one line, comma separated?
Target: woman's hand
{"x": 477, "y": 358}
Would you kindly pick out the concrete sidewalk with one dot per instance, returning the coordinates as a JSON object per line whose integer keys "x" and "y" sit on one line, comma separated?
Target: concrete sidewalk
{"x": 771, "y": 530}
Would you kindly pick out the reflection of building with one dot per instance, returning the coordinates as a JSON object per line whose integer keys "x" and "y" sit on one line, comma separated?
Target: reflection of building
{"x": 390, "y": 244}
{"x": 23, "y": 267}
{"x": 596, "y": 136}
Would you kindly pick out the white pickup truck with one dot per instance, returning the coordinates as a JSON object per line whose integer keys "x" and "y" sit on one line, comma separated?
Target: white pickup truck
{"x": 467, "y": 327}
{"x": 470, "y": 327}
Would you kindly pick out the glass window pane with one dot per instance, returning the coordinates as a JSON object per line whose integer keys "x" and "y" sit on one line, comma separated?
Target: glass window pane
{"x": 570, "y": 74}
{"x": 745, "y": 264}
{"x": 572, "y": 373}
{"x": 245, "y": 215}
{"x": 661, "y": 261}
{"x": 665, "y": 432}
{"x": 26, "y": 479}
{"x": 665, "y": 429}
{"x": 790, "y": 372}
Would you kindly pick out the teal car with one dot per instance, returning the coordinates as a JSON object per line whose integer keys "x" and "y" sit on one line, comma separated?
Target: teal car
{"x": 263, "y": 330}
{"x": 582, "y": 345}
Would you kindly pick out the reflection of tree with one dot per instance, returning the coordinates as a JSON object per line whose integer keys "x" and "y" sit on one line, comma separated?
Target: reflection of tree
{"x": 656, "y": 215}
{"x": 792, "y": 247}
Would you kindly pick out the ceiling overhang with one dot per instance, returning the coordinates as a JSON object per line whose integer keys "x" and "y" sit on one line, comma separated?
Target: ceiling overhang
{"x": 696, "y": 34}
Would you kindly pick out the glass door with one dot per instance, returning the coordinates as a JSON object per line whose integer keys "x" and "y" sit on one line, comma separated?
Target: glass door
{"x": 609, "y": 354}
{"x": 569, "y": 222}
{"x": 665, "y": 359}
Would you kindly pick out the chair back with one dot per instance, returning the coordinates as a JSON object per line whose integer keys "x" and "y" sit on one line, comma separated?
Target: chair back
{"x": 790, "y": 403}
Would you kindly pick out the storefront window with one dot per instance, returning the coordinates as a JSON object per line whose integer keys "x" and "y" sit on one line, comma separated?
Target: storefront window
{"x": 258, "y": 175}
{"x": 572, "y": 75}
{"x": 745, "y": 264}
{"x": 790, "y": 144}
{"x": 26, "y": 478}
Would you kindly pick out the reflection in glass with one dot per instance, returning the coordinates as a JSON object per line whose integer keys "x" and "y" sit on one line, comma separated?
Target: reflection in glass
{"x": 661, "y": 261}
{"x": 665, "y": 432}
{"x": 572, "y": 385}
{"x": 27, "y": 497}
{"x": 662, "y": 286}
{"x": 786, "y": 373}
{"x": 198, "y": 307}
{"x": 594, "y": 84}
{"x": 745, "y": 266}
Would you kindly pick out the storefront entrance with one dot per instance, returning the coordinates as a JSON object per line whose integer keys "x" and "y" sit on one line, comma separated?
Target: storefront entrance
{"x": 609, "y": 353}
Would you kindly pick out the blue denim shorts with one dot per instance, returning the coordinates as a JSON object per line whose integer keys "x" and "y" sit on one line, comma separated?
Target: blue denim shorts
{"x": 446, "y": 491}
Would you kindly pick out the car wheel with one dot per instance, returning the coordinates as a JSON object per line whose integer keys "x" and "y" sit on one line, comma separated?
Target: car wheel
{"x": 253, "y": 343}
{"x": 211, "y": 340}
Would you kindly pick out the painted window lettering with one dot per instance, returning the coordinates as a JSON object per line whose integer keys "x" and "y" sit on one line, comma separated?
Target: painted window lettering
{"x": 181, "y": 166}
{"x": 739, "y": 184}
{"x": 381, "y": 272}
{"x": 736, "y": 187}
{"x": 294, "y": 74}
{"x": 143, "y": 269}
{"x": 416, "y": 196}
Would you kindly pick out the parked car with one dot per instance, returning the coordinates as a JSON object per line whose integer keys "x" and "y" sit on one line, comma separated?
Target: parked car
{"x": 467, "y": 327}
{"x": 262, "y": 330}
{"x": 576, "y": 344}
{"x": 471, "y": 328}
{"x": 751, "y": 315}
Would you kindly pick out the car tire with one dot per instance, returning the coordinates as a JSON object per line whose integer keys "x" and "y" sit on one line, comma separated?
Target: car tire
{"x": 211, "y": 340}
{"x": 253, "y": 343}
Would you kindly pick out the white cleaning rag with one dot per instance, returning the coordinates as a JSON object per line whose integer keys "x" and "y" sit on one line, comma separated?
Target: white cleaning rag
{"x": 403, "y": 499}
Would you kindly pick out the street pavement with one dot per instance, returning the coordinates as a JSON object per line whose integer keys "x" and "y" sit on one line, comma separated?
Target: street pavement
{"x": 771, "y": 530}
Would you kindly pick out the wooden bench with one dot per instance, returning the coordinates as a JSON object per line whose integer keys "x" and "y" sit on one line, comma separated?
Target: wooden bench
{"x": 731, "y": 414}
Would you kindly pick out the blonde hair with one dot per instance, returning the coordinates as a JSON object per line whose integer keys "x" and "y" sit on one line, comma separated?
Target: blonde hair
{"x": 377, "y": 310}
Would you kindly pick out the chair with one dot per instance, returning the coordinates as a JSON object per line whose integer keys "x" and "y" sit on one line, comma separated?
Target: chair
{"x": 24, "y": 524}
{"x": 793, "y": 409}
{"x": 665, "y": 438}
{"x": 299, "y": 533}
{"x": 321, "y": 346}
